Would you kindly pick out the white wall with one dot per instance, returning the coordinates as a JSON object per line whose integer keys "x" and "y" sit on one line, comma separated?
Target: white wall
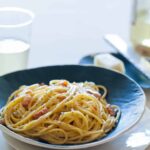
{"x": 72, "y": 28}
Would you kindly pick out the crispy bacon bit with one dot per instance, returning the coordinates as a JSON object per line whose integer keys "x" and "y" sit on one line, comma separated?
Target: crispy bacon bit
{"x": 80, "y": 103}
{"x": 64, "y": 83}
{"x": 111, "y": 110}
{"x": 94, "y": 108}
{"x": 61, "y": 97}
{"x": 40, "y": 113}
{"x": 26, "y": 101}
{"x": 61, "y": 91}
{"x": 97, "y": 95}
{"x": 2, "y": 121}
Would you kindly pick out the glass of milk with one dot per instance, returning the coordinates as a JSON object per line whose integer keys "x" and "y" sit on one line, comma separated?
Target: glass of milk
{"x": 15, "y": 36}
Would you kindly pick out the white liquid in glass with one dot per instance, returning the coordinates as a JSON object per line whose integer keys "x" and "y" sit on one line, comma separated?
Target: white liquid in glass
{"x": 13, "y": 55}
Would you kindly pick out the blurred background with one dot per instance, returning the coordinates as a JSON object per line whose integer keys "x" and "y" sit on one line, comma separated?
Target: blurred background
{"x": 74, "y": 27}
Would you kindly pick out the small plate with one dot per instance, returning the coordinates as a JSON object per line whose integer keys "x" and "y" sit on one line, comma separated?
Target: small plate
{"x": 131, "y": 71}
{"x": 122, "y": 91}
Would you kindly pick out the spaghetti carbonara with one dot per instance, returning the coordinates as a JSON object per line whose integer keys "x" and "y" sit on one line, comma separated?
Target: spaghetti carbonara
{"x": 61, "y": 112}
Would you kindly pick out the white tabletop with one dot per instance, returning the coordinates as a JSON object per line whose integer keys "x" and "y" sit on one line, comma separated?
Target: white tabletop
{"x": 65, "y": 30}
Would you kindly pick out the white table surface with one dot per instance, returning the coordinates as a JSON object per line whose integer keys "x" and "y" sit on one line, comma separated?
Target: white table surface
{"x": 65, "y": 30}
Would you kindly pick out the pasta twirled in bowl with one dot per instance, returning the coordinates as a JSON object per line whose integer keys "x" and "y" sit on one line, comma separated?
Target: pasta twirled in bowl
{"x": 61, "y": 112}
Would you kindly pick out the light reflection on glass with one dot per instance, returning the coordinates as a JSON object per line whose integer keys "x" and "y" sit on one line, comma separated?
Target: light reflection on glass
{"x": 138, "y": 139}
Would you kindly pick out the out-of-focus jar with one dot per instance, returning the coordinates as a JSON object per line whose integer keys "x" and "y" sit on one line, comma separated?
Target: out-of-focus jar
{"x": 140, "y": 28}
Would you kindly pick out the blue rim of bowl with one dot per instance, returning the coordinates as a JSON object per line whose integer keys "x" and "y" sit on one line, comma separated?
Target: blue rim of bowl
{"x": 77, "y": 146}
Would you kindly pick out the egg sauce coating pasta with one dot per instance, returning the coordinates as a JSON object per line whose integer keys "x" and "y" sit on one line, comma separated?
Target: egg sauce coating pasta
{"x": 61, "y": 112}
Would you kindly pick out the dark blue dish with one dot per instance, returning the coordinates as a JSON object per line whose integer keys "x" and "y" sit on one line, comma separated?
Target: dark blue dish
{"x": 131, "y": 71}
{"x": 122, "y": 91}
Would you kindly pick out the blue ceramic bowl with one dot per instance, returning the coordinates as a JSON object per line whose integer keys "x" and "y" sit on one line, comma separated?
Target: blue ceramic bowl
{"x": 122, "y": 91}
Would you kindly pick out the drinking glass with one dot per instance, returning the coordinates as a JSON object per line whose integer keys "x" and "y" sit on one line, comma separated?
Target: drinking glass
{"x": 15, "y": 38}
{"x": 140, "y": 28}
